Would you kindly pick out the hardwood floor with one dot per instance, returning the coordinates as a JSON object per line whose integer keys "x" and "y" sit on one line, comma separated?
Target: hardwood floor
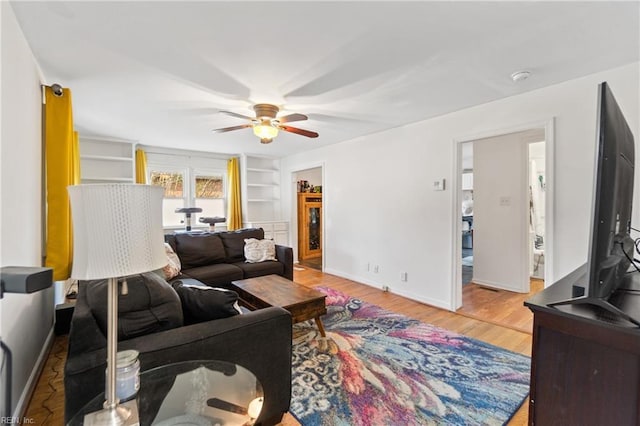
{"x": 47, "y": 402}
{"x": 314, "y": 263}
{"x": 483, "y": 317}
{"x": 499, "y": 307}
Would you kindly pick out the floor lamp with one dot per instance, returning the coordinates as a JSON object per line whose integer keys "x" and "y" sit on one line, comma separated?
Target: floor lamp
{"x": 117, "y": 232}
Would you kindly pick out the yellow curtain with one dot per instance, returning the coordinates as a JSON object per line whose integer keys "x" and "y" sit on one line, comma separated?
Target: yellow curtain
{"x": 62, "y": 159}
{"x": 234, "y": 213}
{"x": 141, "y": 166}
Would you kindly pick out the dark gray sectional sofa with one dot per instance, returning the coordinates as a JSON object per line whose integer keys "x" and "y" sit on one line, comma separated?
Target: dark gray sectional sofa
{"x": 151, "y": 322}
{"x": 217, "y": 258}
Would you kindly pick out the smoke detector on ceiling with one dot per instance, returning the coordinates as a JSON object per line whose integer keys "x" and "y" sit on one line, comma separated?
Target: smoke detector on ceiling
{"x": 520, "y": 76}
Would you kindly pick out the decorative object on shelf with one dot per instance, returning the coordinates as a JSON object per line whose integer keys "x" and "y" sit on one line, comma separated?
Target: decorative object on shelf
{"x": 212, "y": 221}
{"x": 187, "y": 215}
{"x": 265, "y": 124}
{"x": 117, "y": 232}
{"x": 304, "y": 186}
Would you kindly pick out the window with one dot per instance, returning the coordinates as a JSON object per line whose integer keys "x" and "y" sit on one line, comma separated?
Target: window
{"x": 210, "y": 195}
{"x": 188, "y": 187}
{"x": 174, "y": 195}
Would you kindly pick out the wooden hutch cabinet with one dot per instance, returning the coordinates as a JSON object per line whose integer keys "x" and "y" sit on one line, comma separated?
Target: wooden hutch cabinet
{"x": 309, "y": 225}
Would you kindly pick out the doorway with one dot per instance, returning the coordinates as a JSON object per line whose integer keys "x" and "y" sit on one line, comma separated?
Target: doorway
{"x": 502, "y": 239}
{"x": 309, "y": 217}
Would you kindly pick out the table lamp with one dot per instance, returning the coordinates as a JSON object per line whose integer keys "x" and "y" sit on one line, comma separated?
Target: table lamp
{"x": 117, "y": 232}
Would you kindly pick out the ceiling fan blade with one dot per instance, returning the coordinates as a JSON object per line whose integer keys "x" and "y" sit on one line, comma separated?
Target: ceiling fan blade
{"x": 292, "y": 117}
{"x": 228, "y": 129}
{"x": 234, "y": 114}
{"x": 297, "y": 131}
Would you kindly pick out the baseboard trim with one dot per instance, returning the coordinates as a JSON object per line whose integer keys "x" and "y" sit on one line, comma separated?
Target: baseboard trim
{"x": 495, "y": 285}
{"x": 30, "y": 386}
{"x": 427, "y": 301}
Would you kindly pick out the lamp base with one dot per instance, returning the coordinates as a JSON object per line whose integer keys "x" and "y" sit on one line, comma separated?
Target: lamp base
{"x": 125, "y": 414}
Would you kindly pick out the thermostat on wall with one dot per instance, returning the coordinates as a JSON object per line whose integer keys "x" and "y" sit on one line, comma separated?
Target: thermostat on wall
{"x": 438, "y": 185}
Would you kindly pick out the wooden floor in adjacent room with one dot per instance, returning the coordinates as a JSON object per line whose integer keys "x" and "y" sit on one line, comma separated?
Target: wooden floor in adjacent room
{"x": 500, "y": 307}
{"x": 498, "y": 318}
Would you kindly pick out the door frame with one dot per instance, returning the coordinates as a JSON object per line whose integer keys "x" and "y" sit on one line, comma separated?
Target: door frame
{"x": 293, "y": 208}
{"x": 549, "y": 126}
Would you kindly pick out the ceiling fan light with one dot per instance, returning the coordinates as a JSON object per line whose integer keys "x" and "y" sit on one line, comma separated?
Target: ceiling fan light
{"x": 265, "y": 131}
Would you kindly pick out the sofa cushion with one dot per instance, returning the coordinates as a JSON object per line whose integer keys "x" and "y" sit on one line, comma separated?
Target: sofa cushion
{"x": 199, "y": 249}
{"x": 219, "y": 274}
{"x": 252, "y": 270}
{"x": 151, "y": 305}
{"x": 203, "y": 303}
{"x": 234, "y": 242}
{"x": 259, "y": 250}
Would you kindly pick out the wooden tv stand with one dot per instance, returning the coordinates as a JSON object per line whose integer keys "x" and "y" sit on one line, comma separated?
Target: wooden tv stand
{"x": 585, "y": 364}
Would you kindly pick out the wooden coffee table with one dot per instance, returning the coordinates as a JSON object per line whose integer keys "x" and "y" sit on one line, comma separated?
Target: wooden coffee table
{"x": 273, "y": 290}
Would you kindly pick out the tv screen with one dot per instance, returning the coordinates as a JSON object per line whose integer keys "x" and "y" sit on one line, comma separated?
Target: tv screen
{"x": 611, "y": 248}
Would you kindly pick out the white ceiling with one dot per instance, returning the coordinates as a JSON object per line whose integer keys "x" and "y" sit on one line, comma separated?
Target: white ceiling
{"x": 159, "y": 72}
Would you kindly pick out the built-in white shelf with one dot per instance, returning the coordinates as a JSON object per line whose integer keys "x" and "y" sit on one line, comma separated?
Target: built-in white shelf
{"x": 104, "y": 160}
{"x": 254, "y": 169}
{"x": 261, "y": 189}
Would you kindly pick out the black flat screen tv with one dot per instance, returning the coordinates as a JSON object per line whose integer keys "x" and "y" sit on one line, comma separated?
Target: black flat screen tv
{"x": 611, "y": 248}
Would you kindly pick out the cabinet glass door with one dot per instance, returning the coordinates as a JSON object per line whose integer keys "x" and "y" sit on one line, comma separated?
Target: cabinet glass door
{"x": 313, "y": 223}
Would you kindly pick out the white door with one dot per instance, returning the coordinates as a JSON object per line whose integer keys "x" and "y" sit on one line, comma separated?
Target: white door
{"x": 501, "y": 196}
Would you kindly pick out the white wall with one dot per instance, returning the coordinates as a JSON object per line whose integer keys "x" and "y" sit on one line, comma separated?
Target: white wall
{"x": 313, "y": 176}
{"x": 26, "y": 320}
{"x": 500, "y": 201}
{"x": 380, "y": 208}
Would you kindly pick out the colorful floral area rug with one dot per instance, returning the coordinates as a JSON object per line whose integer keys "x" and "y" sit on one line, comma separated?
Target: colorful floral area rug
{"x": 381, "y": 368}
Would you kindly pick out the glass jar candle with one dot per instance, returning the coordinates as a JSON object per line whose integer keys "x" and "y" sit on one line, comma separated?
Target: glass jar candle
{"x": 127, "y": 374}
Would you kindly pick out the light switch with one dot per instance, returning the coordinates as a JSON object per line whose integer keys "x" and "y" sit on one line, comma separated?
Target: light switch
{"x": 438, "y": 185}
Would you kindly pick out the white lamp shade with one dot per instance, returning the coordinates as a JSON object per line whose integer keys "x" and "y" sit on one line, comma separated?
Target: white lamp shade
{"x": 117, "y": 230}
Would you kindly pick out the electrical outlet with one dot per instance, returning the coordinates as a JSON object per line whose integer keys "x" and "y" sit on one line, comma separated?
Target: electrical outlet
{"x": 376, "y": 269}
{"x": 403, "y": 276}
{"x": 438, "y": 185}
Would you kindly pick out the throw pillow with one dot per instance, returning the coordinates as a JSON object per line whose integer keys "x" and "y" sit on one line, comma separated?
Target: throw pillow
{"x": 234, "y": 242}
{"x": 203, "y": 303}
{"x": 259, "y": 250}
{"x": 172, "y": 269}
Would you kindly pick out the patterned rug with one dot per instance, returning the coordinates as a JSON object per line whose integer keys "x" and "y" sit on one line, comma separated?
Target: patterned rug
{"x": 381, "y": 368}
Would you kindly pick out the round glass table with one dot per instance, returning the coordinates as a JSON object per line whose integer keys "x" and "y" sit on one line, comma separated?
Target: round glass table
{"x": 202, "y": 393}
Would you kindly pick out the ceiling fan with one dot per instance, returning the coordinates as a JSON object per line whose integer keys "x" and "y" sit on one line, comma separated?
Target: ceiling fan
{"x": 265, "y": 124}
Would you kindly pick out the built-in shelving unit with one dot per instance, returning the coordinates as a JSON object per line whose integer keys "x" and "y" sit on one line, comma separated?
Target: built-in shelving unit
{"x": 261, "y": 197}
{"x": 277, "y": 231}
{"x": 105, "y": 160}
{"x": 261, "y": 188}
